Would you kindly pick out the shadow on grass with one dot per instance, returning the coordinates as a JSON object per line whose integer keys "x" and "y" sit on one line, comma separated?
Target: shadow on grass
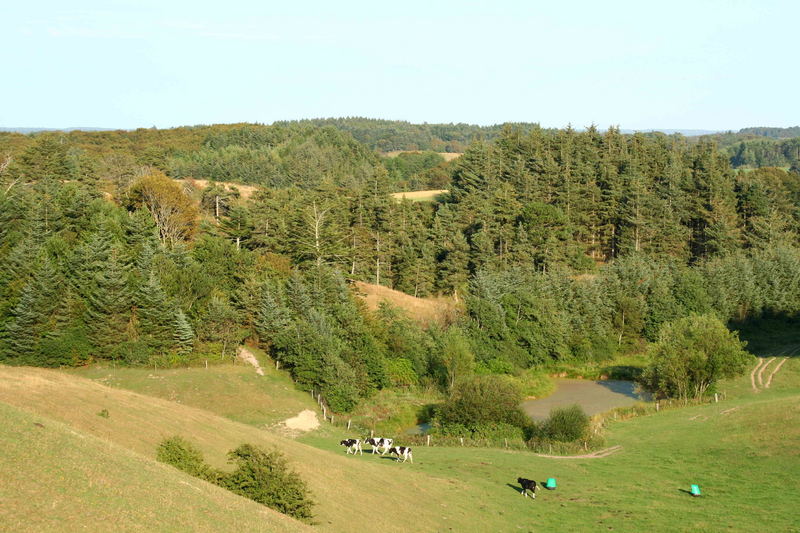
{"x": 686, "y": 491}
{"x": 515, "y": 487}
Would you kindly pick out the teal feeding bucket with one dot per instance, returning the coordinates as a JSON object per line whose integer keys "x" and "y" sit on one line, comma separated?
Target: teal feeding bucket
{"x": 695, "y": 490}
{"x": 551, "y": 483}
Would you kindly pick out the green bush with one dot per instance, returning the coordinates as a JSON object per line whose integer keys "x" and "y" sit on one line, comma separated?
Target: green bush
{"x": 264, "y": 477}
{"x": 261, "y": 475}
{"x": 483, "y": 402}
{"x": 691, "y": 355}
{"x": 181, "y": 454}
{"x": 566, "y": 424}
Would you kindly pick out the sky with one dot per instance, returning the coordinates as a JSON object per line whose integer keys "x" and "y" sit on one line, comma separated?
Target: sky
{"x": 702, "y": 64}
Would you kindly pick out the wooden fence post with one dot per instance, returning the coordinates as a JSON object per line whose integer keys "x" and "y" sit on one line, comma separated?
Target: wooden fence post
{"x": 348, "y": 423}
{"x": 428, "y": 439}
{"x": 506, "y": 442}
{"x": 656, "y": 407}
{"x": 716, "y": 398}
{"x": 462, "y": 440}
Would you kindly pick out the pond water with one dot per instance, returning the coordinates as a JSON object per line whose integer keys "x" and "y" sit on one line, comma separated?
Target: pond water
{"x": 594, "y": 396}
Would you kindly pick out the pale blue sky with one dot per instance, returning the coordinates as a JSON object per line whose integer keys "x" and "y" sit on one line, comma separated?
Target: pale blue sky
{"x": 702, "y": 64}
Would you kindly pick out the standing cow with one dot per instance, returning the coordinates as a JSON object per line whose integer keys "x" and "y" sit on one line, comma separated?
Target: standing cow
{"x": 528, "y": 485}
{"x": 352, "y": 445}
{"x": 379, "y": 442}
{"x": 402, "y": 451}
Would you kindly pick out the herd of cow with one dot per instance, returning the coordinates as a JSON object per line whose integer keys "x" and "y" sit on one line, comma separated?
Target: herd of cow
{"x": 386, "y": 445}
{"x": 354, "y": 446}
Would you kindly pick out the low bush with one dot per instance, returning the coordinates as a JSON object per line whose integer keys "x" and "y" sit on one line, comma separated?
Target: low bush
{"x": 260, "y": 475}
{"x": 182, "y": 454}
{"x": 264, "y": 477}
{"x": 566, "y": 424}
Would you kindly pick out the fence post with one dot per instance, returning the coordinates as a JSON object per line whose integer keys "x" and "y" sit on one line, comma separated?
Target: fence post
{"x": 324, "y": 413}
{"x": 462, "y": 440}
{"x": 428, "y": 439}
{"x": 348, "y": 423}
{"x": 506, "y": 442}
{"x": 656, "y": 407}
{"x": 331, "y": 419}
{"x": 716, "y": 398}
{"x": 371, "y": 433}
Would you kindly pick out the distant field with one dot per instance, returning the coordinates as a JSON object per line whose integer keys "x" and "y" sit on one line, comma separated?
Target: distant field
{"x": 420, "y": 196}
{"x": 424, "y": 311}
{"x": 447, "y": 156}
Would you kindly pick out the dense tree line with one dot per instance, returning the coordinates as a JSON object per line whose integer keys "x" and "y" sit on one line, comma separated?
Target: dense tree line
{"x": 391, "y": 135}
{"x": 562, "y": 245}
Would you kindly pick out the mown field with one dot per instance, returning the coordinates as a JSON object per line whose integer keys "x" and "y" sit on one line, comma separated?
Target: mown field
{"x": 743, "y": 452}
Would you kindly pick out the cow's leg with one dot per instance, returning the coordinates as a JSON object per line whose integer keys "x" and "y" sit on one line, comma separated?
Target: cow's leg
{"x": 361, "y": 451}
{"x": 411, "y": 457}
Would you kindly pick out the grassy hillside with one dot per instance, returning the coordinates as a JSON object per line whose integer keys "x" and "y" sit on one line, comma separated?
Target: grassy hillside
{"x": 55, "y": 478}
{"x": 742, "y": 452}
{"x": 234, "y": 392}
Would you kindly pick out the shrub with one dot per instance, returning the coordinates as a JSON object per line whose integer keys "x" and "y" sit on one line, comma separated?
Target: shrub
{"x": 181, "y": 454}
{"x": 264, "y": 476}
{"x": 691, "y": 355}
{"x": 566, "y": 424}
{"x": 483, "y": 401}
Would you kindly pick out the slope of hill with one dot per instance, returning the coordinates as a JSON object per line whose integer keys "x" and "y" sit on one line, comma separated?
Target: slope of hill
{"x": 55, "y": 478}
{"x": 424, "y": 311}
{"x": 742, "y": 452}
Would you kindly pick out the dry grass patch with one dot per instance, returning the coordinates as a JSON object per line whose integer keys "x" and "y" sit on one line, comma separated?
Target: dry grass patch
{"x": 424, "y": 311}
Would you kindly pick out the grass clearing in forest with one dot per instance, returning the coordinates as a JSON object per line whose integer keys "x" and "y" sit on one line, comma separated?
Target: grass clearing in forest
{"x": 423, "y": 311}
{"x": 432, "y": 195}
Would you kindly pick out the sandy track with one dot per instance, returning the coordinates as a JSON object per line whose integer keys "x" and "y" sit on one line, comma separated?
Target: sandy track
{"x": 761, "y": 371}
{"x": 775, "y": 371}
{"x": 594, "y": 455}
{"x": 247, "y": 356}
{"x": 753, "y": 374}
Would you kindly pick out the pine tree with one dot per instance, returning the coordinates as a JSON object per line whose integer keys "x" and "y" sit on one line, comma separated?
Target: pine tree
{"x": 182, "y": 335}
{"x": 155, "y": 316}
{"x": 108, "y": 305}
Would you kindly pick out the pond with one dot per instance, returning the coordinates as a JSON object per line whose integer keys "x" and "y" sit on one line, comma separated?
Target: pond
{"x": 594, "y": 396}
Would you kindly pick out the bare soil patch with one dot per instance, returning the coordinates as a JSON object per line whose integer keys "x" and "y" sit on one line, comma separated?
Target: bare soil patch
{"x": 306, "y": 420}
{"x": 248, "y": 357}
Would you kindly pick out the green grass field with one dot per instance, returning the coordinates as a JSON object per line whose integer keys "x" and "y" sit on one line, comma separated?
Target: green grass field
{"x": 232, "y": 391}
{"x": 744, "y": 453}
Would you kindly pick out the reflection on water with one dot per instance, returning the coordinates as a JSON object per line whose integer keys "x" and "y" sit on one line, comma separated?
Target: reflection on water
{"x": 593, "y": 396}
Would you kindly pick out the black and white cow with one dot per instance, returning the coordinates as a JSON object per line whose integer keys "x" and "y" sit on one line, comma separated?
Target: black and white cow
{"x": 379, "y": 442}
{"x": 528, "y": 485}
{"x": 352, "y": 445}
{"x": 402, "y": 451}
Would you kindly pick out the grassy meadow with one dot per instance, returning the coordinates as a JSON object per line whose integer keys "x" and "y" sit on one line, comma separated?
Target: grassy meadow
{"x": 64, "y": 466}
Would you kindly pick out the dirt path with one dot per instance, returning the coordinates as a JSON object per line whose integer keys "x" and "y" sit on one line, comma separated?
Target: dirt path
{"x": 775, "y": 371}
{"x": 594, "y": 455}
{"x": 761, "y": 371}
{"x": 247, "y": 356}
{"x": 753, "y": 374}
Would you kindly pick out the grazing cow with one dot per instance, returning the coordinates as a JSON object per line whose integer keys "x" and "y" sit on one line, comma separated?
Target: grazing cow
{"x": 352, "y": 445}
{"x": 402, "y": 451}
{"x": 378, "y": 443}
{"x": 527, "y": 485}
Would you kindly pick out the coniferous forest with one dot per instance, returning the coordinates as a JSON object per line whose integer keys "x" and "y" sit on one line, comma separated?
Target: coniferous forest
{"x": 558, "y": 245}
